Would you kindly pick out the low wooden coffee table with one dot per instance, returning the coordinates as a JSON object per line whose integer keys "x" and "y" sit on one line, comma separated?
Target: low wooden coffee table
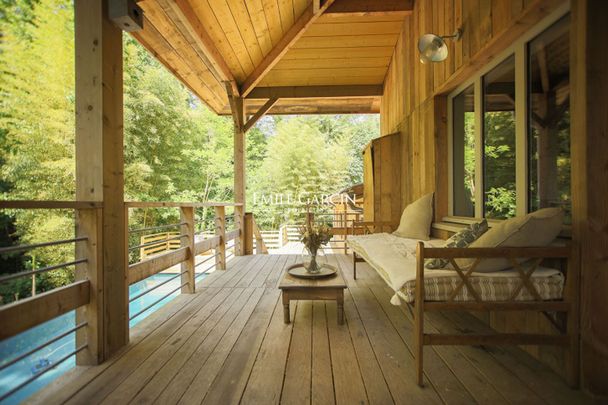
{"x": 328, "y": 288}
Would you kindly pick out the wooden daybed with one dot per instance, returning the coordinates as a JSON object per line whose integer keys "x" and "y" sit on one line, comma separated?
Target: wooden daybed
{"x": 529, "y": 286}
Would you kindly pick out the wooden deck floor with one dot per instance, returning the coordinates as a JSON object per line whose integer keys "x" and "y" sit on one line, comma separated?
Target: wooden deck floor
{"x": 228, "y": 344}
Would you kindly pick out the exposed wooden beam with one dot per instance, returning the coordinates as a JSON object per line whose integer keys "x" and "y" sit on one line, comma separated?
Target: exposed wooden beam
{"x": 260, "y": 113}
{"x": 343, "y": 8}
{"x": 236, "y": 107}
{"x": 186, "y": 14}
{"x": 345, "y": 91}
{"x": 295, "y": 32}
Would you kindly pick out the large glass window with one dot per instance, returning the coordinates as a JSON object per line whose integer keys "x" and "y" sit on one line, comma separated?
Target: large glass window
{"x": 463, "y": 152}
{"x": 499, "y": 140}
{"x": 549, "y": 119}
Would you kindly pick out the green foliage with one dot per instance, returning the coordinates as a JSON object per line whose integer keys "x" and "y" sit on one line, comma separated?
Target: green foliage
{"x": 176, "y": 149}
{"x": 499, "y": 160}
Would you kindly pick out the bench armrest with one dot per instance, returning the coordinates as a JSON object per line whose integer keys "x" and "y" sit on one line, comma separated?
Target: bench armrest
{"x": 373, "y": 226}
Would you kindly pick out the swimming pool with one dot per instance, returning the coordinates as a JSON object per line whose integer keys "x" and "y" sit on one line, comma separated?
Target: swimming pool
{"x": 24, "y": 369}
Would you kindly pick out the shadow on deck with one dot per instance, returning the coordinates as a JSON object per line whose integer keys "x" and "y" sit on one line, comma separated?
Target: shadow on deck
{"x": 228, "y": 344}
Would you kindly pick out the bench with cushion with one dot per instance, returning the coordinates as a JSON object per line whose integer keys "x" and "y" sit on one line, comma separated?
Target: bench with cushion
{"x": 513, "y": 266}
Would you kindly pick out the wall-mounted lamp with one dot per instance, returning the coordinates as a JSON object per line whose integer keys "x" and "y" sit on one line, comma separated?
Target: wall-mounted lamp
{"x": 433, "y": 47}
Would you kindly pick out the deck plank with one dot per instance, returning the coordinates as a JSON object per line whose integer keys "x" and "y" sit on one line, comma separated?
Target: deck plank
{"x": 266, "y": 380}
{"x": 375, "y": 384}
{"x": 322, "y": 392}
{"x": 131, "y": 385}
{"x": 201, "y": 383}
{"x": 227, "y": 344}
{"x": 165, "y": 374}
{"x": 229, "y": 384}
{"x": 348, "y": 383}
{"x": 443, "y": 379}
{"x": 395, "y": 360}
{"x": 181, "y": 380}
{"x": 96, "y": 390}
{"x": 297, "y": 383}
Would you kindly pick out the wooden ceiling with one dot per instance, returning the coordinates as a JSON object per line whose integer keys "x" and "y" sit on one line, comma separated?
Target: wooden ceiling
{"x": 292, "y": 49}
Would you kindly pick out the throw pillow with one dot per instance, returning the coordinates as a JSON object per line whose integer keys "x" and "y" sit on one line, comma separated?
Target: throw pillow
{"x": 536, "y": 229}
{"x": 416, "y": 219}
{"x": 460, "y": 239}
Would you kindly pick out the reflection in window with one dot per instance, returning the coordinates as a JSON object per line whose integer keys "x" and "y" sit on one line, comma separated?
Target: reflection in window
{"x": 499, "y": 140}
{"x": 549, "y": 119}
{"x": 463, "y": 152}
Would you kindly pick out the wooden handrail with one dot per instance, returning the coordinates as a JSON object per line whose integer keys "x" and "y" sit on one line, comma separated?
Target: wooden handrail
{"x": 169, "y": 204}
{"x": 33, "y": 205}
{"x": 21, "y": 315}
{"x": 260, "y": 246}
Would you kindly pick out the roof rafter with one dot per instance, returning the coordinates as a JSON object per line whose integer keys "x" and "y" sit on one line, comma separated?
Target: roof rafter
{"x": 343, "y": 8}
{"x": 260, "y": 113}
{"x": 312, "y": 12}
{"x": 341, "y": 91}
{"x": 183, "y": 9}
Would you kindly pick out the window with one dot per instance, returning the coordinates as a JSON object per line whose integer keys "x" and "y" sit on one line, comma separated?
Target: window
{"x": 499, "y": 140}
{"x": 510, "y": 129}
{"x": 549, "y": 119}
{"x": 463, "y": 149}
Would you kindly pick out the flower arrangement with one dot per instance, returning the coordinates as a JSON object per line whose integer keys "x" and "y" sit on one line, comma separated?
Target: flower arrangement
{"x": 313, "y": 237}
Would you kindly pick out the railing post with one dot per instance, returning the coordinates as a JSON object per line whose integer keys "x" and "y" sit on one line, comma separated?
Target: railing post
{"x": 220, "y": 230}
{"x": 239, "y": 223}
{"x": 248, "y": 232}
{"x": 89, "y": 223}
{"x": 187, "y": 267}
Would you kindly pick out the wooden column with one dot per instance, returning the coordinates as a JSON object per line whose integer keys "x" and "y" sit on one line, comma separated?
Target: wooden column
{"x": 187, "y": 267}
{"x": 589, "y": 143}
{"x": 239, "y": 170}
{"x": 220, "y": 230}
{"x": 89, "y": 223}
{"x": 248, "y": 231}
{"x": 99, "y": 172}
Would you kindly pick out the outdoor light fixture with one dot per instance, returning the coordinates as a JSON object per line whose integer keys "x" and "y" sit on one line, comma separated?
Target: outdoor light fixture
{"x": 433, "y": 47}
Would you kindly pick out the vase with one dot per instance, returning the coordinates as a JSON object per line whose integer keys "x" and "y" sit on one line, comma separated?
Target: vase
{"x": 313, "y": 261}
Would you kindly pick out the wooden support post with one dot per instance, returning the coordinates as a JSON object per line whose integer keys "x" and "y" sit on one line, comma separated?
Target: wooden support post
{"x": 238, "y": 114}
{"x": 187, "y": 267}
{"x": 239, "y": 223}
{"x": 89, "y": 223}
{"x": 248, "y": 230}
{"x": 100, "y": 173}
{"x": 589, "y": 129}
{"x": 220, "y": 230}
{"x": 419, "y": 315}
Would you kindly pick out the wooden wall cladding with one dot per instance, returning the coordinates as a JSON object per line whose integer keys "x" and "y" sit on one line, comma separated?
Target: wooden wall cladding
{"x": 381, "y": 168}
{"x": 414, "y": 104}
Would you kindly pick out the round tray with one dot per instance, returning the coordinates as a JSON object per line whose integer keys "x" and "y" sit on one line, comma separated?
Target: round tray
{"x": 298, "y": 270}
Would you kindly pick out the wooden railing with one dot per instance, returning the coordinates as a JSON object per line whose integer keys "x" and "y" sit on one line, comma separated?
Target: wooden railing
{"x": 184, "y": 245}
{"x": 187, "y": 245}
{"x": 26, "y": 313}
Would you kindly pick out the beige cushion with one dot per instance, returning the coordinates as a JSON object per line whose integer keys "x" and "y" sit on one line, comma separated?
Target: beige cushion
{"x": 536, "y": 229}
{"x": 416, "y": 219}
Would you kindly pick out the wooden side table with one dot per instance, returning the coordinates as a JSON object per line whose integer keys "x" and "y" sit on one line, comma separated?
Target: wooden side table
{"x": 329, "y": 288}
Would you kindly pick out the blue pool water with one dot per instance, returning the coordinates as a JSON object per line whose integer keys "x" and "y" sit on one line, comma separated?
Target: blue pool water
{"x": 22, "y": 370}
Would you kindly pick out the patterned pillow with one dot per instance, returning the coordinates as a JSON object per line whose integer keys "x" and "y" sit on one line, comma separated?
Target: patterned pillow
{"x": 460, "y": 239}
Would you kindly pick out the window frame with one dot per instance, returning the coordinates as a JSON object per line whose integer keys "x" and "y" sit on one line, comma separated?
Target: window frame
{"x": 519, "y": 49}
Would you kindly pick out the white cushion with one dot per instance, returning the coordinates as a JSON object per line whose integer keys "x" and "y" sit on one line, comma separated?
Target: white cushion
{"x": 536, "y": 229}
{"x": 416, "y": 219}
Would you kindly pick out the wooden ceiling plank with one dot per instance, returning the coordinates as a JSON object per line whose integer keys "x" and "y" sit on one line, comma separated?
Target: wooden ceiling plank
{"x": 343, "y": 8}
{"x": 294, "y": 92}
{"x": 294, "y": 33}
{"x": 260, "y": 113}
{"x": 333, "y": 53}
{"x": 360, "y": 28}
{"x": 273, "y": 19}
{"x": 186, "y": 14}
{"x": 260, "y": 25}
